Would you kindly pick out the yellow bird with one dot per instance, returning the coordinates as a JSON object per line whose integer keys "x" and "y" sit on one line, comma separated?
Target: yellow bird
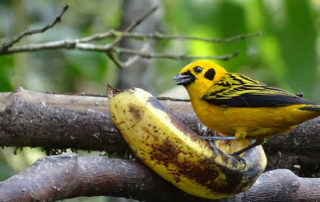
{"x": 240, "y": 107}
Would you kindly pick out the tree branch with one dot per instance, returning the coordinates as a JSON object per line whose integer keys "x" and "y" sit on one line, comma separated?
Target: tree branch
{"x": 173, "y": 56}
{"x": 110, "y": 49}
{"x": 133, "y": 25}
{"x": 61, "y": 177}
{"x": 74, "y": 44}
{"x": 7, "y": 45}
{"x": 161, "y": 36}
{"x": 56, "y": 121}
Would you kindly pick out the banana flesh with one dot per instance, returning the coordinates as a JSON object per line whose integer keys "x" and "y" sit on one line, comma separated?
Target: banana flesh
{"x": 177, "y": 153}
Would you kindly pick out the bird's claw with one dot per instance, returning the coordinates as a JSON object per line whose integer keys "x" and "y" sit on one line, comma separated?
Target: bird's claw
{"x": 237, "y": 157}
{"x": 214, "y": 147}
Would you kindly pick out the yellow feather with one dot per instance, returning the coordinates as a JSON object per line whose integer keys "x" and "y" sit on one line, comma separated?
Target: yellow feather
{"x": 237, "y": 105}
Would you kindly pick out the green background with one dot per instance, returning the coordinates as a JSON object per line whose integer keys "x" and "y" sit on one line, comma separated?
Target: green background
{"x": 286, "y": 55}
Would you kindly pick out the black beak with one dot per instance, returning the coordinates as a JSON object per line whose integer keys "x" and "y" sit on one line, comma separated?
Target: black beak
{"x": 184, "y": 79}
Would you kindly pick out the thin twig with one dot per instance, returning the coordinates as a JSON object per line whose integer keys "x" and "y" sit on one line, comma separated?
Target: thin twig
{"x": 98, "y": 36}
{"x": 7, "y": 45}
{"x": 160, "y": 36}
{"x": 82, "y": 45}
{"x": 133, "y": 59}
{"x": 63, "y": 44}
{"x": 114, "y": 59}
{"x": 173, "y": 56}
{"x": 110, "y": 49}
{"x": 133, "y": 25}
{"x": 73, "y": 44}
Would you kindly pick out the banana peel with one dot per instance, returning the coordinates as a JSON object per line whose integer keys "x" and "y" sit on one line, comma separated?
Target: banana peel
{"x": 178, "y": 154}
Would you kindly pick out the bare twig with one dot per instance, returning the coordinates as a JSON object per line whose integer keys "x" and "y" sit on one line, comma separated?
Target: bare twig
{"x": 98, "y": 36}
{"x": 134, "y": 24}
{"x": 131, "y": 60}
{"x": 9, "y": 44}
{"x": 62, "y": 44}
{"x": 120, "y": 64}
{"x": 173, "y": 56}
{"x": 110, "y": 49}
{"x": 160, "y": 36}
{"x": 114, "y": 59}
{"x": 74, "y": 44}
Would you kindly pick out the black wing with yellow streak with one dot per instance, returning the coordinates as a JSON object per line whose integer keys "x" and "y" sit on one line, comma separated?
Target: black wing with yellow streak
{"x": 236, "y": 90}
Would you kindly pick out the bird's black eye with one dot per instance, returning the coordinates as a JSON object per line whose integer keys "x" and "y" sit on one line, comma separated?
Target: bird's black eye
{"x": 210, "y": 74}
{"x": 197, "y": 69}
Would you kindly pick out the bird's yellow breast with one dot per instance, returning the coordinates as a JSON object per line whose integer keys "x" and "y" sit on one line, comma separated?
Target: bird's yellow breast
{"x": 254, "y": 122}
{"x": 237, "y": 105}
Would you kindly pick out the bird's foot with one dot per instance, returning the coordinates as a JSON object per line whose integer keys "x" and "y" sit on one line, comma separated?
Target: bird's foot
{"x": 212, "y": 139}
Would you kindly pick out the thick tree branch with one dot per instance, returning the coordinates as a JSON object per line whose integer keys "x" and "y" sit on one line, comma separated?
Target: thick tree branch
{"x": 82, "y": 122}
{"x": 60, "y": 177}
{"x": 60, "y": 121}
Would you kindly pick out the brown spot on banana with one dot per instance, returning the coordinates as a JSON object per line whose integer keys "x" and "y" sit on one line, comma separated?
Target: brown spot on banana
{"x": 136, "y": 111}
{"x": 176, "y": 153}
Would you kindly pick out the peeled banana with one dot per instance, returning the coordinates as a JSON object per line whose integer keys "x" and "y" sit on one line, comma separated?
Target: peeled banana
{"x": 177, "y": 153}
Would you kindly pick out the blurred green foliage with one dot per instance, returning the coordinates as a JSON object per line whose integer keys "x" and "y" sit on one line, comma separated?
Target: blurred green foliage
{"x": 6, "y": 63}
{"x": 285, "y": 55}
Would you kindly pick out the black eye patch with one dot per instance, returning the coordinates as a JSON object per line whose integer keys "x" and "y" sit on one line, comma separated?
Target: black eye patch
{"x": 210, "y": 74}
{"x": 197, "y": 69}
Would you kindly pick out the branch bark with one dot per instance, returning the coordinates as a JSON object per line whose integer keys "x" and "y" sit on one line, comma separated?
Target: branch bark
{"x": 56, "y": 121}
{"x": 61, "y": 177}
{"x": 61, "y": 121}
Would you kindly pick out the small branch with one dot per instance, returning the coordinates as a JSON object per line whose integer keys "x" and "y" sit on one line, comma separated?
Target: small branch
{"x": 7, "y": 45}
{"x": 82, "y": 43}
{"x": 65, "y": 176}
{"x": 74, "y": 44}
{"x": 160, "y": 36}
{"x": 133, "y": 59}
{"x": 110, "y": 49}
{"x": 140, "y": 20}
{"x": 63, "y": 44}
{"x": 133, "y": 25}
{"x": 98, "y": 36}
{"x": 114, "y": 59}
{"x": 173, "y": 56}
{"x": 130, "y": 61}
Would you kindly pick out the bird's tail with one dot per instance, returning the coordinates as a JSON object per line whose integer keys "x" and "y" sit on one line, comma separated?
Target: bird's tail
{"x": 311, "y": 108}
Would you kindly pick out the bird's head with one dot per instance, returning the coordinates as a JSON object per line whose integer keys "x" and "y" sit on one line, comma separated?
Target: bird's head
{"x": 199, "y": 76}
